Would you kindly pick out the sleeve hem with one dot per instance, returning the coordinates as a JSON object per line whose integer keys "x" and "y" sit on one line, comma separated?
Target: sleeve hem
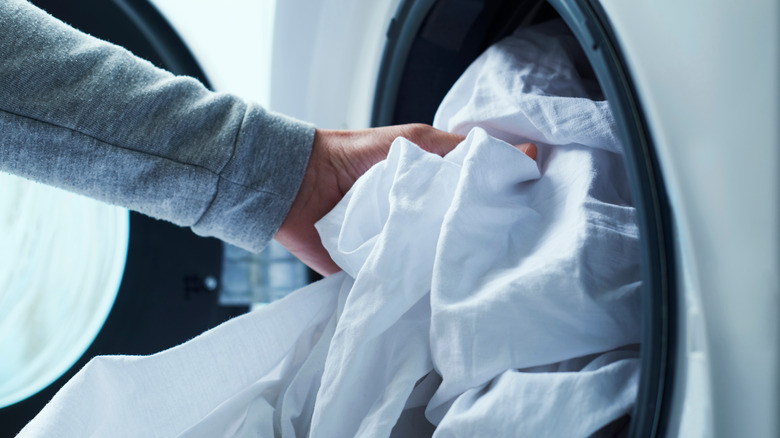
{"x": 260, "y": 181}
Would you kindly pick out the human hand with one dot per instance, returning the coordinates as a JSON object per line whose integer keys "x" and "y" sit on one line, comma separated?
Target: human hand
{"x": 338, "y": 158}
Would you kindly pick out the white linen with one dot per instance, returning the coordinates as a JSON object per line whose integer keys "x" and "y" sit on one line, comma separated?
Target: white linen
{"x": 391, "y": 244}
{"x": 563, "y": 401}
{"x": 477, "y": 291}
{"x": 559, "y": 276}
{"x": 205, "y": 387}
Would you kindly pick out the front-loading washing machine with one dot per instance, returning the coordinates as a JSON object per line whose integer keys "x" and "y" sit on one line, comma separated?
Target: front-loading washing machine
{"x": 694, "y": 90}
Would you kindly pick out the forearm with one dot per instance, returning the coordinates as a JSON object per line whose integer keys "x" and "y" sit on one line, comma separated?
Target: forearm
{"x": 81, "y": 114}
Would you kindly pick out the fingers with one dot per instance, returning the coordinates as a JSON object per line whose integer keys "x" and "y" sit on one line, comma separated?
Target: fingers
{"x": 337, "y": 160}
{"x": 528, "y": 149}
{"x": 441, "y": 142}
{"x": 431, "y": 139}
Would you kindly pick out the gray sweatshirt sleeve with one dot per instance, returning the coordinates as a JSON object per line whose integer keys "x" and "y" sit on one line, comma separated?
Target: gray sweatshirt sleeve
{"x": 87, "y": 116}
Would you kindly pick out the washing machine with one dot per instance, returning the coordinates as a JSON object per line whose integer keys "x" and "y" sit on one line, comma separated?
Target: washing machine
{"x": 694, "y": 88}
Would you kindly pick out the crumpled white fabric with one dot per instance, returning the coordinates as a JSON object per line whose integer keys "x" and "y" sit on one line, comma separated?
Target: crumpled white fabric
{"x": 561, "y": 278}
{"x": 482, "y": 293}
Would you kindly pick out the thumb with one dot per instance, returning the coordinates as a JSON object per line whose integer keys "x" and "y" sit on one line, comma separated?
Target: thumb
{"x": 528, "y": 149}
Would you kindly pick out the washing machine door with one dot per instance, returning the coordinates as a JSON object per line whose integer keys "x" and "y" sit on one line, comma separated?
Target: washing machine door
{"x": 169, "y": 276}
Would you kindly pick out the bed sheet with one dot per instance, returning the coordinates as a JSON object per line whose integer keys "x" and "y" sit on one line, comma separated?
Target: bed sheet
{"x": 482, "y": 293}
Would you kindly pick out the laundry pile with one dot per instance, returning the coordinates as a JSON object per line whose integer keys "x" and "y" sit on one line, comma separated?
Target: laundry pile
{"x": 482, "y": 294}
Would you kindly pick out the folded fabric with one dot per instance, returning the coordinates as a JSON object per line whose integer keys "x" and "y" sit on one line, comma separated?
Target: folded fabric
{"x": 483, "y": 293}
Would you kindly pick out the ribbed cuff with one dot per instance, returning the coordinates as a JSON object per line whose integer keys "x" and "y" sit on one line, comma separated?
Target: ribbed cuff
{"x": 260, "y": 181}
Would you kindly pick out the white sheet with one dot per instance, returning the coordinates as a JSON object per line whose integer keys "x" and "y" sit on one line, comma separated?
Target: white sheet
{"x": 491, "y": 298}
{"x": 561, "y": 278}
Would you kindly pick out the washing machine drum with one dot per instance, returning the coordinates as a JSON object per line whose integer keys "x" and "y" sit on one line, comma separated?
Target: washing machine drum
{"x": 432, "y": 42}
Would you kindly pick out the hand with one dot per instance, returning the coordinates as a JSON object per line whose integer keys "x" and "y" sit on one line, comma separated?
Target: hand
{"x": 338, "y": 158}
